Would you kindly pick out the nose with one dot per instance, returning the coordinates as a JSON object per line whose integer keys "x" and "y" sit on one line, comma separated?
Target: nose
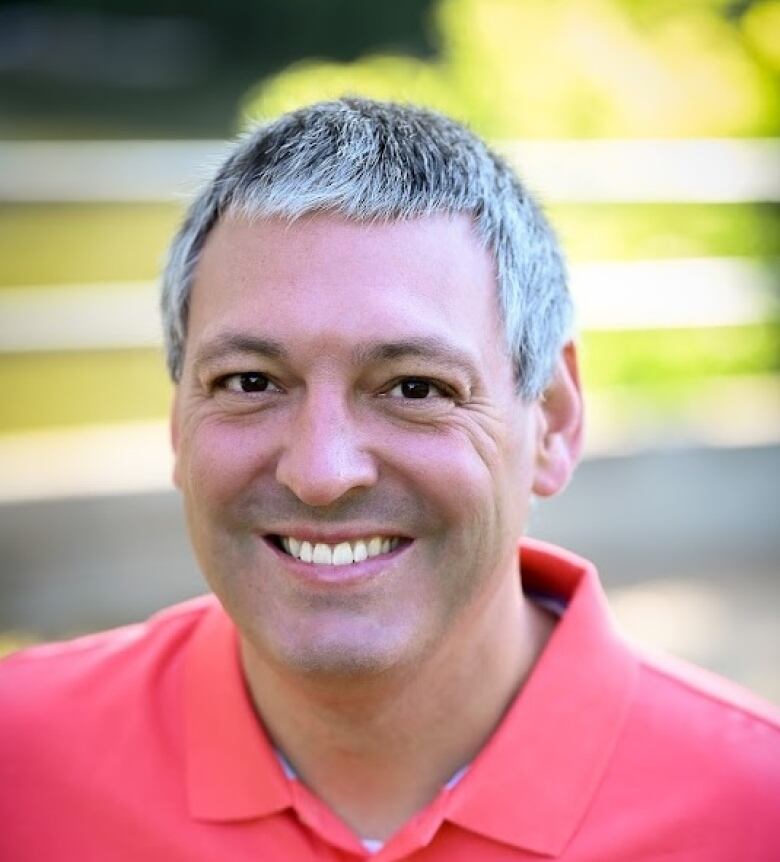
{"x": 323, "y": 458}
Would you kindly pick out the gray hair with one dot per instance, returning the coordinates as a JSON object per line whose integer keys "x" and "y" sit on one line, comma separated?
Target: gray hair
{"x": 381, "y": 161}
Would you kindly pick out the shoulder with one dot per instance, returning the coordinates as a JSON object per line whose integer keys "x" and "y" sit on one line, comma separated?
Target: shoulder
{"x": 94, "y": 725}
{"x": 685, "y": 699}
{"x": 716, "y": 742}
{"x": 695, "y": 767}
{"x": 98, "y": 669}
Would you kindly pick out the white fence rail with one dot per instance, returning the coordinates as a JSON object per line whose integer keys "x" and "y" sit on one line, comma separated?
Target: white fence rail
{"x": 700, "y": 170}
{"x": 647, "y": 294}
{"x": 609, "y": 295}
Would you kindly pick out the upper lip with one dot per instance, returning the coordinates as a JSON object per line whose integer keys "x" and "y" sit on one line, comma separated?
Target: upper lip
{"x": 336, "y": 535}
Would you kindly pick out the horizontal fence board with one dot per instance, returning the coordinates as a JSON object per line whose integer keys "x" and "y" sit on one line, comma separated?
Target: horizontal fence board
{"x": 693, "y": 170}
{"x": 693, "y": 292}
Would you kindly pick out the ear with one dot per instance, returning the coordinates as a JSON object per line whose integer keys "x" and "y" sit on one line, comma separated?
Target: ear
{"x": 174, "y": 431}
{"x": 559, "y": 432}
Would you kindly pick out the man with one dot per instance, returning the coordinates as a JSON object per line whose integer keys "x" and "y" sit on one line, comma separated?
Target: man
{"x": 368, "y": 327}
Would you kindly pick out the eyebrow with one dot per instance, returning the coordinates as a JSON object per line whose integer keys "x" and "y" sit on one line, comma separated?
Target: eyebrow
{"x": 430, "y": 347}
{"x": 231, "y": 343}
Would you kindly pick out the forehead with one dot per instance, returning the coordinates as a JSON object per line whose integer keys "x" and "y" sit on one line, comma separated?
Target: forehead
{"x": 330, "y": 281}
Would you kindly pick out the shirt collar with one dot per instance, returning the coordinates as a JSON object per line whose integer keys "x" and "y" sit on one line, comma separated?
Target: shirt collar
{"x": 530, "y": 785}
{"x": 232, "y": 771}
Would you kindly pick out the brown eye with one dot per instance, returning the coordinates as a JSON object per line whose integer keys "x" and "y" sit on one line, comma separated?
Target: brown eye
{"x": 413, "y": 388}
{"x": 418, "y": 389}
{"x": 248, "y": 382}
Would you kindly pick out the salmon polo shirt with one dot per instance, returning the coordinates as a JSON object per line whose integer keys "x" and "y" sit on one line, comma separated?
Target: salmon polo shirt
{"x": 141, "y": 745}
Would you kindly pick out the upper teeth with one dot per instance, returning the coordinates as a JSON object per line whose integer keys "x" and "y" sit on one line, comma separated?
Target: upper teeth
{"x": 338, "y": 555}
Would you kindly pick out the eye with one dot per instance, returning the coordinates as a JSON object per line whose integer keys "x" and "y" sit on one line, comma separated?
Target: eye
{"x": 247, "y": 382}
{"x": 418, "y": 388}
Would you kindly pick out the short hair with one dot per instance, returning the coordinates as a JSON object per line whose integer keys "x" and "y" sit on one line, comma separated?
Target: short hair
{"x": 382, "y": 161}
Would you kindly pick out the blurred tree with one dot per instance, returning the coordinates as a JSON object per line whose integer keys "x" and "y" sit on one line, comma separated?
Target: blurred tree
{"x": 573, "y": 68}
{"x": 512, "y": 67}
{"x": 173, "y": 68}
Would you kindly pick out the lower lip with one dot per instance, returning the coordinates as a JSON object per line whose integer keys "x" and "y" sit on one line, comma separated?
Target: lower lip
{"x": 352, "y": 573}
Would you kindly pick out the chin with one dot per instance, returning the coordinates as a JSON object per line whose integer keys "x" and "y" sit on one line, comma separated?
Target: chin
{"x": 339, "y": 664}
{"x": 333, "y": 652}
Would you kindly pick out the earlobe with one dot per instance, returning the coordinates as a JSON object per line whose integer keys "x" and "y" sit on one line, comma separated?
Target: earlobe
{"x": 559, "y": 440}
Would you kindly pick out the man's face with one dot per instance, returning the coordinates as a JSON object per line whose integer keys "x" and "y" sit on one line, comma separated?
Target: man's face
{"x": 347, "y": 385}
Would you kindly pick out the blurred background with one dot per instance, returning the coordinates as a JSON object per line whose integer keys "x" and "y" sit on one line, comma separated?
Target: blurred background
{"x": 648, "y": 127}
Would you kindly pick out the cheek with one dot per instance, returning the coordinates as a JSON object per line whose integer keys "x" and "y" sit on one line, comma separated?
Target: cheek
{"x": 218, "y": 460}
{"x": 451, "y": 478}
{"x": 477, "y": 522}
{"x": 491, "y": 483}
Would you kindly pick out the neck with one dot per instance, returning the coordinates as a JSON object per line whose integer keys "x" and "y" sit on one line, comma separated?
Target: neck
{"x": 378, "y": 749}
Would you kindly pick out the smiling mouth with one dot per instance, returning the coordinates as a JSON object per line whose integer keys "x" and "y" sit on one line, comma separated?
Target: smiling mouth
{"x": 341, "y": 554}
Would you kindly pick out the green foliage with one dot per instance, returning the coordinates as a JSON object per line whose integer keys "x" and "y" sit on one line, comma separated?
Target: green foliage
{"x": 571, "y": 68}
{"x": 636, "y": 231}
{"x": 673, "y": 356}
{"x": 11, "y": 641}
{"x": 121, "y": 69}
